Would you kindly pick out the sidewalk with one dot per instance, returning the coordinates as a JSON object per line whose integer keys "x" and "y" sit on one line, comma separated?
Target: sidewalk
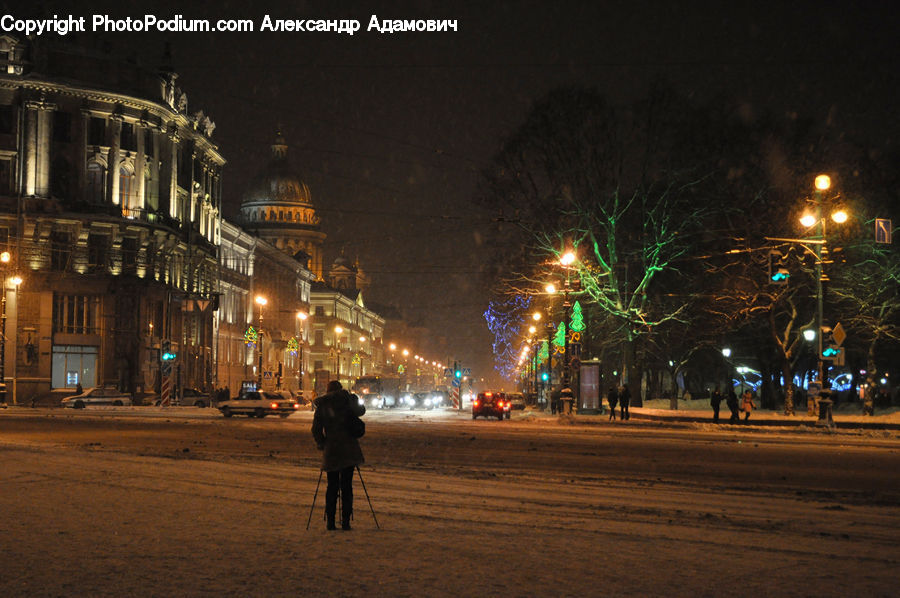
{"x": 763, "y": 417}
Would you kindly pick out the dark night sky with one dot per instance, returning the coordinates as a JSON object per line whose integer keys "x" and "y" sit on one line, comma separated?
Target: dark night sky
{"x": 390, "y": 131}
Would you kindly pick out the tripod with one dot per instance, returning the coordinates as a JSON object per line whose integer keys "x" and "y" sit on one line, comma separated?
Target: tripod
{"x": 316, "y": 494}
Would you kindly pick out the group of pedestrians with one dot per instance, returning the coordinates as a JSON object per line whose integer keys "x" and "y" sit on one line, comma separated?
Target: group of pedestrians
{"x": 622, "y": 398}
{"x": 746, "y": 404}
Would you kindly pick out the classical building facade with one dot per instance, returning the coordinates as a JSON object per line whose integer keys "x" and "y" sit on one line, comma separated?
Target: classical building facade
{"x": 110, "y": 202}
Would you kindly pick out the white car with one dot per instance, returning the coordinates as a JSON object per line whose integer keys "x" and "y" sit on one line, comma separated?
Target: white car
{"x": 97, "y": 396}
{"x": 260, "y": 404}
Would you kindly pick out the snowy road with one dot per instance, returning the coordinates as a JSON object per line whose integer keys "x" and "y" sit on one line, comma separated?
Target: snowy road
{"x": 186, "y": 503}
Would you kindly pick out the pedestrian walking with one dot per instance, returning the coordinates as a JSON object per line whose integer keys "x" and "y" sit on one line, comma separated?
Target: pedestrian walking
{"x": 624, "y": 401}
{"x": 747, "y": 404}
{"x": 340, "y": 450}
{"x": 715, "y": 400}
{"x": 612, "y": 398}
{"x": 732, "y": 401}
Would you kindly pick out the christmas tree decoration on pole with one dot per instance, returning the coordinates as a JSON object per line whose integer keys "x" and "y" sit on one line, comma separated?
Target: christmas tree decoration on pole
{"x": 576, "y": 324}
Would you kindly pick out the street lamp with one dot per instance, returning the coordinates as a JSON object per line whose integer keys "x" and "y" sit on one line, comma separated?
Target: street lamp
{"x": 839, "y": 216}
{"x": 302, "y": 316}
{"x": 261, "y": 301}
{"x": 822, "y": 184}
{"x": 337, "y": 351}
{"x": 5, "y": 258}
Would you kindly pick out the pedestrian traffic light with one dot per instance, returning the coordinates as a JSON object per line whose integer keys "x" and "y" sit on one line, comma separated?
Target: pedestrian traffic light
{"x": 778, "y": 274}
{"x": 166, "y": 353}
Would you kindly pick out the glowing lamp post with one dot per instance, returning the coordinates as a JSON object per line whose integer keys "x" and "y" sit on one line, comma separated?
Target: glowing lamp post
{"x": 261, "y": 301}
{"x": 822, "y": 184}
{"x": 302, "y": 316}
{"x": 5, "y": 258}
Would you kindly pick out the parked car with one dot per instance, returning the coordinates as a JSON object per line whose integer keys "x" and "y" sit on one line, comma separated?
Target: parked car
{"x": 195, "y": 397}
{"x": 490, "y": 403}
{"x": 516, "y": 400}
{"x": 97, "y": 396}
{"x": 256, "y": 403}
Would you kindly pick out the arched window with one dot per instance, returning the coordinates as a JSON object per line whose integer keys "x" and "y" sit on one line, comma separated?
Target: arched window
{"x": 96, "y": 178}
{"x": 126, "y": 180}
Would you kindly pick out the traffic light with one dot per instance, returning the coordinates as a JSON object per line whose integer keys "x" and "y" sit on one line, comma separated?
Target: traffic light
{"x": 778, "y": 274}
{"x": 545, "y": 376}
{"x": 166, "y": 353}
{"x": 831, "y": 349}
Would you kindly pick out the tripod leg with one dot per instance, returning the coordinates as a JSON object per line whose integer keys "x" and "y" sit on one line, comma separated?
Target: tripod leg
{"x": 367, "y": 497}
{"x": 314, "y": 500}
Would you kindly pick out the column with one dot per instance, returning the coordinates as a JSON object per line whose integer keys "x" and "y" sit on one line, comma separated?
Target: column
{"x": 112, "y": 171}
{"x": 31, "y": 158}
{"x": 139, "y": 165}
{"x": 44, "y": 130}
{"x": 81, "y": 140}
{"x": 168, "y": 156}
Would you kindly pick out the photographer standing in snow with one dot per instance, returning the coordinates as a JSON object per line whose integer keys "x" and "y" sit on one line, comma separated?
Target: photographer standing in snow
{"x": 341, "y": 452}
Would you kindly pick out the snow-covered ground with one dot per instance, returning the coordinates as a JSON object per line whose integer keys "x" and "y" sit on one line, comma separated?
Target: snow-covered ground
{"x": 85, "y": 520}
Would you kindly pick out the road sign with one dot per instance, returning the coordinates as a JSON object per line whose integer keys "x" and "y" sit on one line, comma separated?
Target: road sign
{"x": 448, "y": 372}
{"x": 838, "y": 334}
{"x": 267, "y": 375}
{"x": 883, "y": 229}
{"x": 466, "y": 372}
{"x": 455, "y": 382}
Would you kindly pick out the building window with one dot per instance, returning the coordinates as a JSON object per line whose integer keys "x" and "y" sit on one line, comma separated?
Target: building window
{"x": 73, "y": 365}
{"x": 126, "y": 178}
{"x": 127, "y": 139}
{"x": 95, "y": 182}
{"x": 98, "y": 248}
{"x": 320, "y": 310}
{"x": 7, "y": 119}
{"x": 320, "y": 338}
{"x": 148, "y": 143}
{"x": 60, "y": 250}
{"x": 62, "y": 127}
{"x": 5, "y": 176}
{"x": 129, "y": 253}
{"x": 76, "y": 314}
{"x": 318, "y": 365}
{"x": 97, "y": 131}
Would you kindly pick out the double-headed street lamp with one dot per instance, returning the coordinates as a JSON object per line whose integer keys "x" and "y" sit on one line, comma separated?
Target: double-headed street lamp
{"x": 809, "y": 220}
{"x": 301, "y": 316}
{"x": 261, "y": 301}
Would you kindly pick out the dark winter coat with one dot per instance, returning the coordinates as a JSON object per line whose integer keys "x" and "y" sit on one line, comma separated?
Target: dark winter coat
{"x": 329, "y": 428}
{"x": 613, "y": 398}
{"x": 716, "y": 398}
{"x": 732, "y": 401}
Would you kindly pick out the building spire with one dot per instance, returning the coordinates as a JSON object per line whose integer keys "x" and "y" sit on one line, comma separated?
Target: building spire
{"x": 280, "y": 147}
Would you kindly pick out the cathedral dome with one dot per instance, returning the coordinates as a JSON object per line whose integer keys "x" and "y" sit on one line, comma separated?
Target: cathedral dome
{"x": 277, "y": 207}
{"x": 277, "y": 184}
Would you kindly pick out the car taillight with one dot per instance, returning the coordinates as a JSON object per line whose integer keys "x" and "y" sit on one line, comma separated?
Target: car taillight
{"x": 274, "y": 405}
{"x": 296, "y": 405}
{"x": 476, "y": 403}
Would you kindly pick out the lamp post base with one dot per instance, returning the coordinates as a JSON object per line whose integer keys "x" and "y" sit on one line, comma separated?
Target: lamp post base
{"x": 825, "y": 420}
